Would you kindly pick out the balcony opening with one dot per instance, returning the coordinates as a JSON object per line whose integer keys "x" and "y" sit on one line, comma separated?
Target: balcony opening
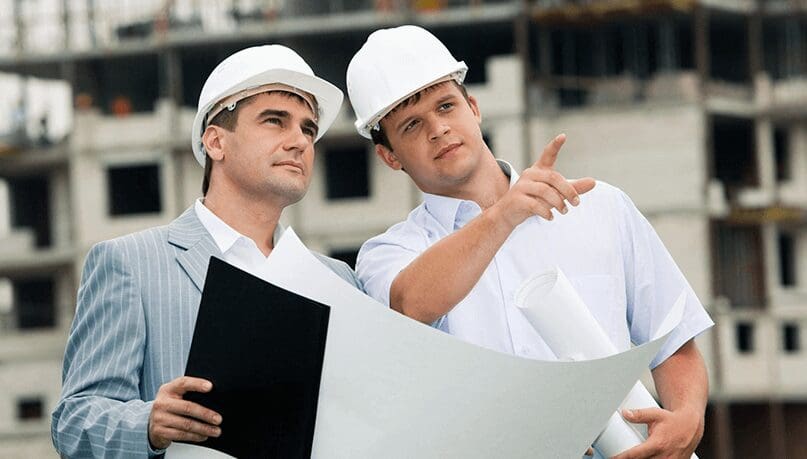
{"x": 744, "y": 332}
{"x": 787, "y": 260}
{"x": 30, "y": 409}
{"x": 709, "y": 443}
{"x": 118, "y": 86}
{"x": 738, "y": 264}
{"x": 795, "y": 414}
{"x": 734, "y": 153}
{"x": 728, "y": 51}
{"x": 791, "y": 341}
{"x": 784, "y": 44}
{"x": 781, "y": 153}
{"x": 34, "y": 303}
{"x": 29, "y": 199}
{"x": 134, "y": 189}
{"x": 348, "y": 255}
{"x": 477, "y": 49}
{"x": 196, "y": 66}
{"x": 751, "y": 430}
{"x": 347, "y": 172}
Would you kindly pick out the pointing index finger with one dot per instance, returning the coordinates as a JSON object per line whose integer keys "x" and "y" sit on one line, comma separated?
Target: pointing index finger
{"x": 550, "y": 153}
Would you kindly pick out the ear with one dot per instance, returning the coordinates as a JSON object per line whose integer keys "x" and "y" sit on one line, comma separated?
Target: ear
{"x": 212, "y": 140}
{"x": 475, "y": 108}
{"x": 388, "y": 157}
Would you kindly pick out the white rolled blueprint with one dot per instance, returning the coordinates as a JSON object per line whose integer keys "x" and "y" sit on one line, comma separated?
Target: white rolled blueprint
{"x": 558, "y": 314}
{"x": 392, "y": 387}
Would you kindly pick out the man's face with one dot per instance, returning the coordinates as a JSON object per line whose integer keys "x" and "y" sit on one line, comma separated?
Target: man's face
{"x": 436, "y": 140}
{"x": 270, "y": 154}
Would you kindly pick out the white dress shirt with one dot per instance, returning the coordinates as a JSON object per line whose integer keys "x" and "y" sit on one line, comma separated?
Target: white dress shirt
{"x": 606, "y": 248}
{"x": 237, "y": 249}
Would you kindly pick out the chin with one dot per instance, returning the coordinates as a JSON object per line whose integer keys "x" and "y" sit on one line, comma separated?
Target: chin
{"x": 289, "y": 192}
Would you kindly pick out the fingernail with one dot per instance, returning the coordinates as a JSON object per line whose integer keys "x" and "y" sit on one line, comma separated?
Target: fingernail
{"x": 575, "y": 201}
{"x": 627, "y": 412}
{"x": 564, "y": 210}
{"x": 216, "y": 432}
{"x": 217, "y": 419}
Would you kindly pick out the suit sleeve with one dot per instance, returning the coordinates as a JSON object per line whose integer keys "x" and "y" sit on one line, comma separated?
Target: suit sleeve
{"x": 100, "y": 412}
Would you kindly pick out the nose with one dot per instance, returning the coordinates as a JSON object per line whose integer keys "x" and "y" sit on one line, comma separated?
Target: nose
{"x": 437, "y": 128}
{"x": 297, "y": 141}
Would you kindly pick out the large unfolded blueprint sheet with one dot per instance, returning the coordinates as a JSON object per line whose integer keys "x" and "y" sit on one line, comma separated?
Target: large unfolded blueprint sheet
{"x": 395, "y": 388}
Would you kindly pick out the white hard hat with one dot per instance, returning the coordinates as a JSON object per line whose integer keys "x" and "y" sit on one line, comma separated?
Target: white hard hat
{"x": 392, "y": 65}
{"x": 259, "y": 66}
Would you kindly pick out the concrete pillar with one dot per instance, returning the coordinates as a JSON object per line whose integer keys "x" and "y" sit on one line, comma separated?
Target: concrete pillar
{"x": 64, "y": 297}
{"x": 668, "y": 58}
{"x": 5, "y": 209}
{"x": 766, "y": 167}
{"x": 770, "y": 261}
{"x": 60, "y": 209}
{"x": 798, "y": 155}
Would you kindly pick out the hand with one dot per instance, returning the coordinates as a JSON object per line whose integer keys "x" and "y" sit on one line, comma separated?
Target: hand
{"x": 672, "y": 434}
{"x": 541, "y": 189}
{"x": 173, "y": 418}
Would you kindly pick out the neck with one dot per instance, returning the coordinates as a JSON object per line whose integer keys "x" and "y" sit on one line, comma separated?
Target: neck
{"x": 487, "y": 185}
{"x": 254, "y": 218}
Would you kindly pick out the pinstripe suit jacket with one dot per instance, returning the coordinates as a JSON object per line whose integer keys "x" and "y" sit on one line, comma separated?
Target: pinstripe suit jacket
{"x": 137, "y": 306}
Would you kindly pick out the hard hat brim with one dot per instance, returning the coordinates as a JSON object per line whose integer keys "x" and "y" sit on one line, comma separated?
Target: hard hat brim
{"x": 328, "y": 97}
{"x": 457, "y": 74}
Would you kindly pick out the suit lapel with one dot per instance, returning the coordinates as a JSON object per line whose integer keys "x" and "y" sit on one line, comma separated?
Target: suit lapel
{"x": 188, "y": 233}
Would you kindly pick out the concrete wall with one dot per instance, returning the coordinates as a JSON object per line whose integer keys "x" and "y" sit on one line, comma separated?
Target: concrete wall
{"x": 655, "y": 153}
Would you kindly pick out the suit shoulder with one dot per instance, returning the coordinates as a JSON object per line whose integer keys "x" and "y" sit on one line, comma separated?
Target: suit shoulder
{"x": 129, "y": 245}
{"x": 139, "y": 238}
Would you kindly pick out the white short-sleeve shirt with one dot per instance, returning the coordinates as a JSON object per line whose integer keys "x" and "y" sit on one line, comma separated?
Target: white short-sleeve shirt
{"x": 606, "y": 248}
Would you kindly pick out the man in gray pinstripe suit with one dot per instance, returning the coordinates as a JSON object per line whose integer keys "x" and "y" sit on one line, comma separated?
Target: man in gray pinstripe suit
{"x": 260, "y": 112}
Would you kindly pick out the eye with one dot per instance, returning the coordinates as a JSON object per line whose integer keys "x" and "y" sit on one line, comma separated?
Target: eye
{"x": 274, "y": 120}
{"x": 309, "y": 131}
{"x": 446, "y": 106}
{"x": 411, "y": 125}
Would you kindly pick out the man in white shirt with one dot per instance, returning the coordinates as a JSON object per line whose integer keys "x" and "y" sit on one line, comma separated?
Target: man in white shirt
{"x": 260, "y": 112}
{"x": 482, "y": 230}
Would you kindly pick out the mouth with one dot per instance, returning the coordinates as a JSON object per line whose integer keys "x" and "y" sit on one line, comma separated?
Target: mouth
{"x": 448, "y": 149}
{"x": 294, "y": 164}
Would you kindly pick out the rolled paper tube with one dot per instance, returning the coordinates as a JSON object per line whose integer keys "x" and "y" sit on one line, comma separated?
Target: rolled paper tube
{"x": 558, "y": 314}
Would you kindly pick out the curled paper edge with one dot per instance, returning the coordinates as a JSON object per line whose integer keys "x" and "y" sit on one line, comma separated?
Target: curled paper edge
{"x": 571, "y": 332}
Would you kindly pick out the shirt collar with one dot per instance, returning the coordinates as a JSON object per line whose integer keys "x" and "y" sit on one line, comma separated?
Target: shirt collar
{"x": 224, "y": 235}
{"x": 446, "y": 209}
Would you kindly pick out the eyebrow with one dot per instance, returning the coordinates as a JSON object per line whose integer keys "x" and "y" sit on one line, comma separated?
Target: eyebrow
{"x": 437, "y": 103}
{"x": 272, "y": 112}
{"x": 445, "y": 99}
{"x": 307, "y": 122}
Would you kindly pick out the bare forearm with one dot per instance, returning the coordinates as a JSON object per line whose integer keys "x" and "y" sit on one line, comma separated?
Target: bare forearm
{"x": 682, "y": 382}
{"x": 444, "y": 274}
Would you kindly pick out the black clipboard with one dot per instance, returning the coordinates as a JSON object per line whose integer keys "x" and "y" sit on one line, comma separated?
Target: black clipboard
{"x": 262, "y": 347}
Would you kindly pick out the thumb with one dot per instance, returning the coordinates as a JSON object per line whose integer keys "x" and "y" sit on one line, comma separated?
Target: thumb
{"x": 642, "y": 415}
{"x": 583, "y": 185}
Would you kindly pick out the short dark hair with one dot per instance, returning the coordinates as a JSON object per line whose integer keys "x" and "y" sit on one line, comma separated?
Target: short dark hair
{"x": 228, "y": 119}
{"x": 379, "y": 136}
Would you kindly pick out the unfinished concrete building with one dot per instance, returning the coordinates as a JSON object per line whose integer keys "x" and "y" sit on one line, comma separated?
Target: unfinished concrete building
{"x": 696, "y": 108}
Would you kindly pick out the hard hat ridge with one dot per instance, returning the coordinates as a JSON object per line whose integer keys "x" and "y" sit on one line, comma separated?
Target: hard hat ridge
{"x": 259, "y": 66}
{"x": 392, "y": 65}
